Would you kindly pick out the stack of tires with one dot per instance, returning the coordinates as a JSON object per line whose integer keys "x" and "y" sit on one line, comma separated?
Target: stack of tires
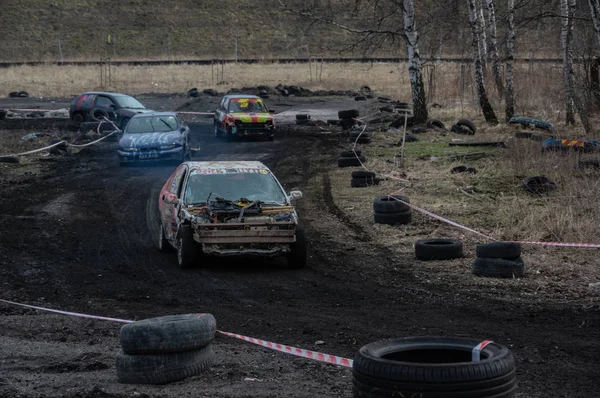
{"x": 362, "y": 179}
{"x": 359, "y": 137}
{"x": 389, "y": 210}
{"x": 165, "y": 349}
{"x": 499, "y": 260}
{"x": 434, "y": 367}
{"x": 351, "y": 158}
{"x": 347, "y": 118}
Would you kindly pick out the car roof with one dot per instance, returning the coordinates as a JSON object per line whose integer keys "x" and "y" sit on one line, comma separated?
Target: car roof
{"x": 242, "y": 96}
{"x": 106, "y": 93}
{"x": 228, "y": 164}
{"x": 138, "y": 115}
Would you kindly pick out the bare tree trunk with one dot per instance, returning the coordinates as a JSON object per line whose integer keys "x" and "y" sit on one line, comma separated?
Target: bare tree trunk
{"x": 595, "y": 10}
{"x": 488, "y": 111}
{"x": 575, "y": 97}
{"x": 566, "y": 35}
{"x": 414, "y": 63}
{"x": 482, "y": 35}
{"x": 510, "y": 56}
{"x": 494, "y": 47}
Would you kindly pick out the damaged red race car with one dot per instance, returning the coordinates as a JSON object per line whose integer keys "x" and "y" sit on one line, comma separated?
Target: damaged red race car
{"x": 229, "y": 208}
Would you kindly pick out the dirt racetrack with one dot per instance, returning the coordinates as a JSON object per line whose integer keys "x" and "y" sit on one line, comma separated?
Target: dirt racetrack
{"x": 80, "y": 236}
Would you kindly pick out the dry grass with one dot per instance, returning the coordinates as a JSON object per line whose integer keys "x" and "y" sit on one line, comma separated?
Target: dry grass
{"x": 538, "y": 89}
{"x": 492, "y": 202}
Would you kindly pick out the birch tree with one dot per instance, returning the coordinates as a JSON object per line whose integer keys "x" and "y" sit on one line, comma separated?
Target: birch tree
{"x": 566, "y": 35}
{"x": 510, "y": 57}
{"x": 595, "y": 10}
{"x": 484, "y": 103}
{"x": 483, "y": 53}
{"x": 414, "y": 63}
{"x": 494, "y": 47}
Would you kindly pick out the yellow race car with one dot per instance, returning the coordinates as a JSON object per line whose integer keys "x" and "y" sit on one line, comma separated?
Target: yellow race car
{"x": 239, "y": 116}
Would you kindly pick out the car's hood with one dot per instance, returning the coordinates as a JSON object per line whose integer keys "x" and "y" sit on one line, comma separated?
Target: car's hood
{"x": 149, "y": 140}
{"x": 259, "y": 117}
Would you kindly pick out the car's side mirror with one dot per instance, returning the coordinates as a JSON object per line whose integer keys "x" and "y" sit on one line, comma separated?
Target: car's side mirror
{"x": 295, "y": 195}
{"x": 170, "y": 199}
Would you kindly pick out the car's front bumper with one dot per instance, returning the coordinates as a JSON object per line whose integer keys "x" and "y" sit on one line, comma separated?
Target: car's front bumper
{"x": 254, "y": 131}
{"x": 149, "y": 155}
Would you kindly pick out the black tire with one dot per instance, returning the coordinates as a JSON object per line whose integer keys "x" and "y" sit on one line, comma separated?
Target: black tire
{"x": 360, "y": 98}
{"x": 187, "y": 248}
{"x": 348, "y": 114}
{"x": 88, "y": 126}
{"x": 13, "y": 94}
{"x": 302, "y": 116}
{"x": 463, "y": 169}
{"x": 163, "y": 368}
{"x": 23, "y": 94}
{"x": 298, "y": 254}
{"x": 419, "y": 130}
{"x": 393, "y": 218}
{"x": 506, "y": 250}
{"x": 410, "y": 138}
{"x": 436, "y": 124}
{"x": 356, "y": 133}
{"x": 163, "y": 243}
{"x": 167, "y": 334}
{"x": 98, "y": 114}
{"x": 438, "y": 249}
{"x": 383, "y": 99}
{"x": 539, "y": 185}
{"x": 351, "y": 162}
{"x": 350, "y": 153}
{"x": 364, "y": 182}
{"x": 499, "y": 267}
{"x": 388, "y": 109}
{"x": 9, "y": 159}
{"x": 467, "y": 123}
{"x": 463, "y": 130}
{"x": 436, "y": 367}
{"x": 346, "y": 123}
{"x": 387, "y": 204}
{"x": 360, "y": 140}
{"x": 78, "y": 118}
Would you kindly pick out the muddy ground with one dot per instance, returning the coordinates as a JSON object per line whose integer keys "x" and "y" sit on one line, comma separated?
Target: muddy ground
{"x": 78, "y": 233}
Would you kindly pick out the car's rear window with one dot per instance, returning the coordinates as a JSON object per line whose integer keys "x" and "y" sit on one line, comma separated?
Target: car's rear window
{"x": 151, "y": 124}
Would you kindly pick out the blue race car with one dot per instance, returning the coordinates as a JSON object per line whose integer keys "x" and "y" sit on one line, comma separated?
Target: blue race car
{"x": 154, "y": 136}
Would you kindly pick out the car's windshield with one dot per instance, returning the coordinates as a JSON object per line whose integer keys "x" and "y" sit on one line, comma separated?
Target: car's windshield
{"x": 151, "y": 124}
{"x": 125, "y": 101}
{"x": 257, "y": 185}
{"x": 246, "y": 105}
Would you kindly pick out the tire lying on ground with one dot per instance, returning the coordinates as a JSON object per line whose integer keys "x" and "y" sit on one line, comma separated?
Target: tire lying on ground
{"x": 393, "y": 218}
{"x": 346, "y": 123}
{"x": 162, "y": 368}
{"x": 436, "y": 124}
{"x": 389, "y": 204}
{"x": 499, "y": 267}
{"x": 433, "y": 367}
{"x": 467, "y": 123}
{"x": 351, "y": 162}
{"x": 362, "y": 139}
{"x": 464, "y": 130}
{"x": 302, "y": 116}
{"x": 438, "y": 249}
{"x": 539, "y": 185}
{"x": 360, "y": 98}
{"x": 506, "y": 250}
{"x": 350, "y": 153}
{"x": 168, "y": 334}
{"x": 348, "y": 114}
{"x": 364, "y": 182}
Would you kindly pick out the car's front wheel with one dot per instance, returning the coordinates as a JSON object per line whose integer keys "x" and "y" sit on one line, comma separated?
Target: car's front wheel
{"x": 187, "y": 249}
{"x": 297, "y": 255}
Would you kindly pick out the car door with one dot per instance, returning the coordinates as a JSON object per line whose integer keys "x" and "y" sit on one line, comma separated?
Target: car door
{"x": 103, "y": 105}
{"x": 222, "y": 114}
{"x": 172, "y": 211}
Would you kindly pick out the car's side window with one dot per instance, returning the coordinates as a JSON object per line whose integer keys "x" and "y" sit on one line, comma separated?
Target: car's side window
{"x": 103, "y": 102}
{"x": 177, "y": 181}
{"x": 180, "y": 188}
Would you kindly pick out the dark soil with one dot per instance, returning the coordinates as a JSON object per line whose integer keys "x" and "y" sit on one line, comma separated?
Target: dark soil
{"x": 81, "y": 236}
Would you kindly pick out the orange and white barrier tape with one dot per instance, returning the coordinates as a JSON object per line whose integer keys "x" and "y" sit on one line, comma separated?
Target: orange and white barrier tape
{"x": 300, "y": 352}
